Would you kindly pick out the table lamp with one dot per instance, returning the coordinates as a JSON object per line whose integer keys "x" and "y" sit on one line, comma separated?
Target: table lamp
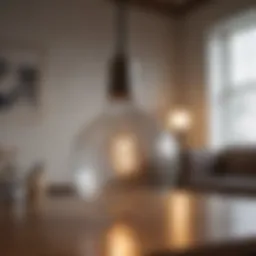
{"x": 179, "y": 121}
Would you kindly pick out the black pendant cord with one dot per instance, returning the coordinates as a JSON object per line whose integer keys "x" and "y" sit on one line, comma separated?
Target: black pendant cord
{"x": 121, "y": 27}
{"x": 119, "y": 80}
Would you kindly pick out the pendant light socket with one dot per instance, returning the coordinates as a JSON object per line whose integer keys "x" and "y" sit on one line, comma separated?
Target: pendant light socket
{"x": 119, "y": 70}
{"x": 119, "y": 78}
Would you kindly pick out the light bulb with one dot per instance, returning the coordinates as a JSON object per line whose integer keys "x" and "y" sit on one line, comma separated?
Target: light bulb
{"x": 123, "y": 141}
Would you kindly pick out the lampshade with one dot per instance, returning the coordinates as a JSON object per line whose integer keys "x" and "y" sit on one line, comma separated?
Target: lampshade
{"x": 179, "y": 120}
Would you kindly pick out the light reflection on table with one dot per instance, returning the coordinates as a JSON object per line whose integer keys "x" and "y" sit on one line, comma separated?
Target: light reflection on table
{"x": 180, "y": 220}
{"x": 122, "y": 240}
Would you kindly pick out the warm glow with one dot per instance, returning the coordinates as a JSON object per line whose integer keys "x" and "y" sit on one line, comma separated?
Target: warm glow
{"x": 179, "y": 120}
{"x": 179, "y": 220}
{"x": 121, "y": 241}
{"x": 125, "y": 155}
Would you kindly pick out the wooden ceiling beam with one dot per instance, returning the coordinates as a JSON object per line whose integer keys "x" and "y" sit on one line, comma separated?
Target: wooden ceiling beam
{"x": 154, "y": 6}
{"x": 167, "y": 8}
{"x": 193, "y": 5}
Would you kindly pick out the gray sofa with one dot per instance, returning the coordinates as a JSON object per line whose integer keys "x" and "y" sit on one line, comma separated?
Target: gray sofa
{"x": 232, "y": 169}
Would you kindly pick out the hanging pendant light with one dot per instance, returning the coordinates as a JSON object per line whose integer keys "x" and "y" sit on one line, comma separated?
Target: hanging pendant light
{"x": 122, "y": 148}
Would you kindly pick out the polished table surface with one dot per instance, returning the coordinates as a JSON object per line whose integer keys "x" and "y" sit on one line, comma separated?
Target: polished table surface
{"x": 138, "y": 223}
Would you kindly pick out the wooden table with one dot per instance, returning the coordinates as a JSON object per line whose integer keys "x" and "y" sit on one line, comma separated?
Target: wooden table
{"x": 138, "y": 223}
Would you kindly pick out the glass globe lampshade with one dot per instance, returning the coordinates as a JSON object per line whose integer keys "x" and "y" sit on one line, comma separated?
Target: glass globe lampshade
{"x": 123, "y": 148}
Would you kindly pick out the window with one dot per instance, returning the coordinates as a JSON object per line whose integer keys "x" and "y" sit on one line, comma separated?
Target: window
{"x": 232, "y": 63}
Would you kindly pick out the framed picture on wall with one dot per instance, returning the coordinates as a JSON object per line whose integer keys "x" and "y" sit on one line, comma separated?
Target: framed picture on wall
{"x": 20, "y": 77}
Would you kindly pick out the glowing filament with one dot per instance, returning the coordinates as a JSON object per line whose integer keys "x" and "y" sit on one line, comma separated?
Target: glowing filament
{"x": 125, "y": 155}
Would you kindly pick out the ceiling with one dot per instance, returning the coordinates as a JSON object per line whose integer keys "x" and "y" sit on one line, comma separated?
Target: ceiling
{"x": 170, "y": 7}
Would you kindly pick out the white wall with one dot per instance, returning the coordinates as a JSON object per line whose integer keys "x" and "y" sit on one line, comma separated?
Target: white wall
{"x": 194, "y": 68}
{"x": 75, "y": 40}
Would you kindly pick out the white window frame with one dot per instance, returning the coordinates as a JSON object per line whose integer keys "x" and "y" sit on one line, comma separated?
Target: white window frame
{"x": 219, "y": 86}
